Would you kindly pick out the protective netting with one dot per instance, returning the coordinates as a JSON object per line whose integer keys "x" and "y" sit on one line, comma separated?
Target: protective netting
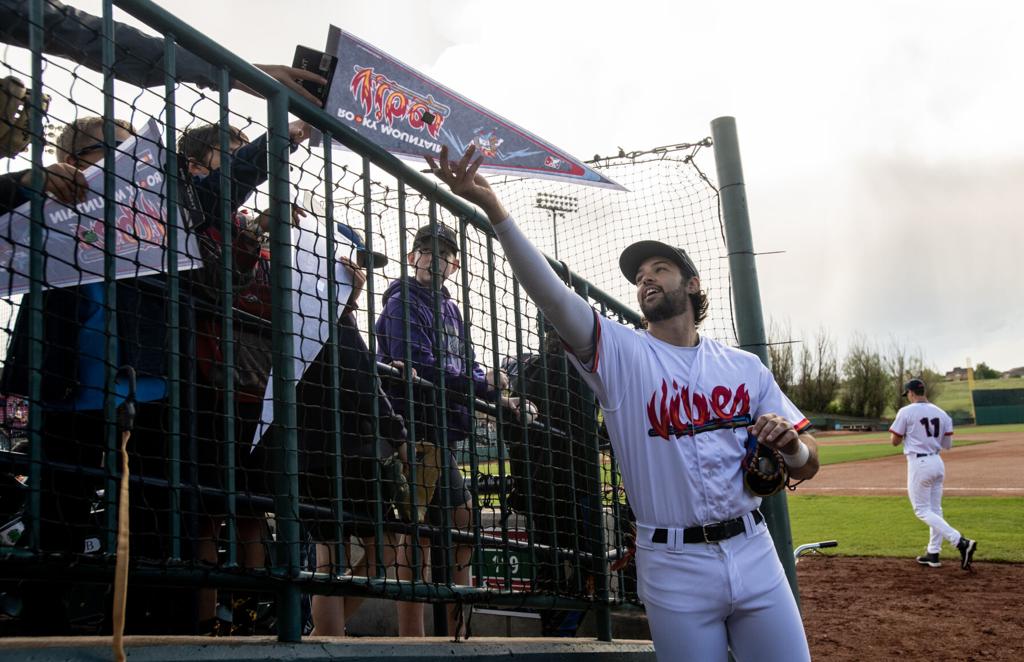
{"x": 405, "y": 440}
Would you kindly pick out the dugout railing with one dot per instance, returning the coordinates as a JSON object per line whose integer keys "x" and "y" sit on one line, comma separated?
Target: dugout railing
{"x": 567, "y": 569}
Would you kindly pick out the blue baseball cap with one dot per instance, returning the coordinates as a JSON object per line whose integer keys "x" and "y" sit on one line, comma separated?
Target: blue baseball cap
{"x": 364, "y": 258}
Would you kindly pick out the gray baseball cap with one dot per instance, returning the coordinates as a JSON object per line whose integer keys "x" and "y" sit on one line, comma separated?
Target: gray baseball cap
{"x": 635, "y": 254}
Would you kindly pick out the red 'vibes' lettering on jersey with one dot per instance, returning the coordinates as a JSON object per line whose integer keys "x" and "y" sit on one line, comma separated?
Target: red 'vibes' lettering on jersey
{"x": 678, "y": 414}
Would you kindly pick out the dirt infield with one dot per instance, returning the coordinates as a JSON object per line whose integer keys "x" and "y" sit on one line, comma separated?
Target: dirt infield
{"x": 893, "y": 609}
{"x": 991, "y": 469}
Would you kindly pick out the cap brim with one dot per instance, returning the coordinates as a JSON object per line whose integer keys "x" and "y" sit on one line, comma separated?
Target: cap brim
{"x": 368, "y": 260}
{"x": 635, "y": 254}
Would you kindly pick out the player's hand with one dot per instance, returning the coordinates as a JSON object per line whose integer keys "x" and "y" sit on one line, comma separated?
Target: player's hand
{"x": 289, "y": 77}
{"x": 464, "y": 182}
{"x": 298, "y": 131}
{"x": 776, "y": 432}
{"x": 63, "y": 181}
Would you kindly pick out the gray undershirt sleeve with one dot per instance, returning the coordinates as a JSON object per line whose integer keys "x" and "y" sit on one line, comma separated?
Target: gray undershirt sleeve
{"x": 571, "y": 316}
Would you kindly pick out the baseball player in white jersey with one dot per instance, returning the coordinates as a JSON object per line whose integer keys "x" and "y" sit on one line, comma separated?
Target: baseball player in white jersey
{"x": 925, "y": 430}
{"x": 678, "y": 408}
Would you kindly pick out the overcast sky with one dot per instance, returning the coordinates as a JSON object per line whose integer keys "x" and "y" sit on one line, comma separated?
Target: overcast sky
{"x": 881, "y": 142}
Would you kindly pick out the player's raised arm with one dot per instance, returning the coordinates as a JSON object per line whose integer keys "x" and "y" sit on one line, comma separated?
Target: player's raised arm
{"x": 571, "y": 316}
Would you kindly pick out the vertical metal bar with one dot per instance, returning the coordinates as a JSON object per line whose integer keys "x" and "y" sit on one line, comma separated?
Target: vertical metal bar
{"x": 173, "y": 294}
{"x": 747, "y": 299}
{"x": 598, "y": 567}
{"x": 227, "y": 314}
{"x": 36, "y": 276}
{"x": 544, "y": 406}
{"x": 287, "y": 497}
{"x": 524, "y": 434}
{"x": 410, "y": 413}
{"x": 613, "y": 479}
{"x": 569, "y": 396}
{"x": 492, "y": 292}
{"x": 110, "y": 279}
{"x": 467, "y": 349}
{"x": 440, "y": 422}
{"x": 370, "y": 295}
{"x": 337, "y": 505}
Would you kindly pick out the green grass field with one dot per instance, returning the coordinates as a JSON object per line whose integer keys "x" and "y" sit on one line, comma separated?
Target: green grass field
{"x": 886, "y": 526}
{"x": 867, "y": 451}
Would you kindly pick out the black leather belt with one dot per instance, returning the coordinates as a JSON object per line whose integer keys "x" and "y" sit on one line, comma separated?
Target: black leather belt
{"x": 710, "y": 532}
{"x": 924, "y": 454}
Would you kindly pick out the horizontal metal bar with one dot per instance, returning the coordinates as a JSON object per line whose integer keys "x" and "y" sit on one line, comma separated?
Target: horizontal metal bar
{"x": 19, "y": 564}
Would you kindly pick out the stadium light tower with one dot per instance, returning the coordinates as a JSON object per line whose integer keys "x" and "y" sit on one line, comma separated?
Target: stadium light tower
{"x": 558, "y": 205}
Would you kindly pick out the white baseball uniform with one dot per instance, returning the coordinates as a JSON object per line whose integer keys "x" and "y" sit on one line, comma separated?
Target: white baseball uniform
{"x": 677, "y": 418}
{"x": 926, "y": 430}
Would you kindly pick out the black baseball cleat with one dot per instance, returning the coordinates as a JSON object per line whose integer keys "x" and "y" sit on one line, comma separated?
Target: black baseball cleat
{"x": 967, "y": 547}
{"x": 930, "y": 560}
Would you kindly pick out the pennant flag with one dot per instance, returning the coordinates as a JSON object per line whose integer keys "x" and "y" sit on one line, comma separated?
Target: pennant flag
{"x": 410, "y": 115}
{"x": 73, "y": 239}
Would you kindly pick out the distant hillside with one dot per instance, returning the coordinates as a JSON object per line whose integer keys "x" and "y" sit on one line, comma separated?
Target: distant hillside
{"x": 955, "y": 397}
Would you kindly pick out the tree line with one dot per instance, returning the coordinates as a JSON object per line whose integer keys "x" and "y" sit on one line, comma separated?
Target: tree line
{"x": 869, "y": 378}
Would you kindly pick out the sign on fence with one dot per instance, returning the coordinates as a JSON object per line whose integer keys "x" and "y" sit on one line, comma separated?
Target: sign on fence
{"x": 519, "y": 565}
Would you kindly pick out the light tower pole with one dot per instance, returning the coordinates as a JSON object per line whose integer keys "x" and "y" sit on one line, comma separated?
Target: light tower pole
{"x": 558, "y": 205}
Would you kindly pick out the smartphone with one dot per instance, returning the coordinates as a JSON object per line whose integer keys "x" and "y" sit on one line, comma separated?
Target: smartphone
{"x": 318, "y": 62}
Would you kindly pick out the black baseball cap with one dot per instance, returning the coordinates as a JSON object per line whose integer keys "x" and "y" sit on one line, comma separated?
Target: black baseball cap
{"x": 441, "y": 231}
{"x": 635, "y": 254}
{"x": 914, "y": 385}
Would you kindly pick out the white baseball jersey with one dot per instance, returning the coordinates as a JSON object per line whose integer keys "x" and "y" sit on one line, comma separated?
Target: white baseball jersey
{"x": 924, "y": 427}
{"x": 677, "y": 418}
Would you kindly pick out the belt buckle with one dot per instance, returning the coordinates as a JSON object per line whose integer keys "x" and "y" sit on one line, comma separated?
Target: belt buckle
{"x": 715, "y": 528}
{"x": 704, "y": 531}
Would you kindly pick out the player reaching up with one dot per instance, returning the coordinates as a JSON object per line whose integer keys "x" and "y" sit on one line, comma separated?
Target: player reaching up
{"x": 678, "y": 407}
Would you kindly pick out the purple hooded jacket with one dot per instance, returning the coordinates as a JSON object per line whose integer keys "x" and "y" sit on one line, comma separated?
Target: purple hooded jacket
{"x": 390, "y": 347}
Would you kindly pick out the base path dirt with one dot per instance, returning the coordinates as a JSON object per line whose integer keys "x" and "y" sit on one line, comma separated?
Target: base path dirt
{"x": 990, "y": 469}
{"x": 894, "y": 609}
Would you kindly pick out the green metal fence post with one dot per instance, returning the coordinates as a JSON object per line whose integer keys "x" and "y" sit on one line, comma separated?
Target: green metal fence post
{"x": 747, "y": 299}
{"x": 34, "y": 298}
{"x": 289, "y": 600}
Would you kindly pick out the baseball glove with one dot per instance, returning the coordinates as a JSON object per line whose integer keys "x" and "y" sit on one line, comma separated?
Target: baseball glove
{"x": 764, "y": 471}
{"x": 14, "y": 116}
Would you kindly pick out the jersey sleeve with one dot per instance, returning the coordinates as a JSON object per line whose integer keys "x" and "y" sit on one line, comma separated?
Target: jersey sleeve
{"x": 947, "y": 431}
{"x": 899, "y": 424}
{"x": 771, "y": 400}
{"x": 617, "y": 349}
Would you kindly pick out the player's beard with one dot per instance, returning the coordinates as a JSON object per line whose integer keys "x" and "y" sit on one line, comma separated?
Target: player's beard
{"x": 672, "y": 303}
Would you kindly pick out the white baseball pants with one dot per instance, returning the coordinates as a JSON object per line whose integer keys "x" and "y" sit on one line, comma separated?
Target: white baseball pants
{"x": 703, "y": 599}
{"x": 924, "y": 485}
